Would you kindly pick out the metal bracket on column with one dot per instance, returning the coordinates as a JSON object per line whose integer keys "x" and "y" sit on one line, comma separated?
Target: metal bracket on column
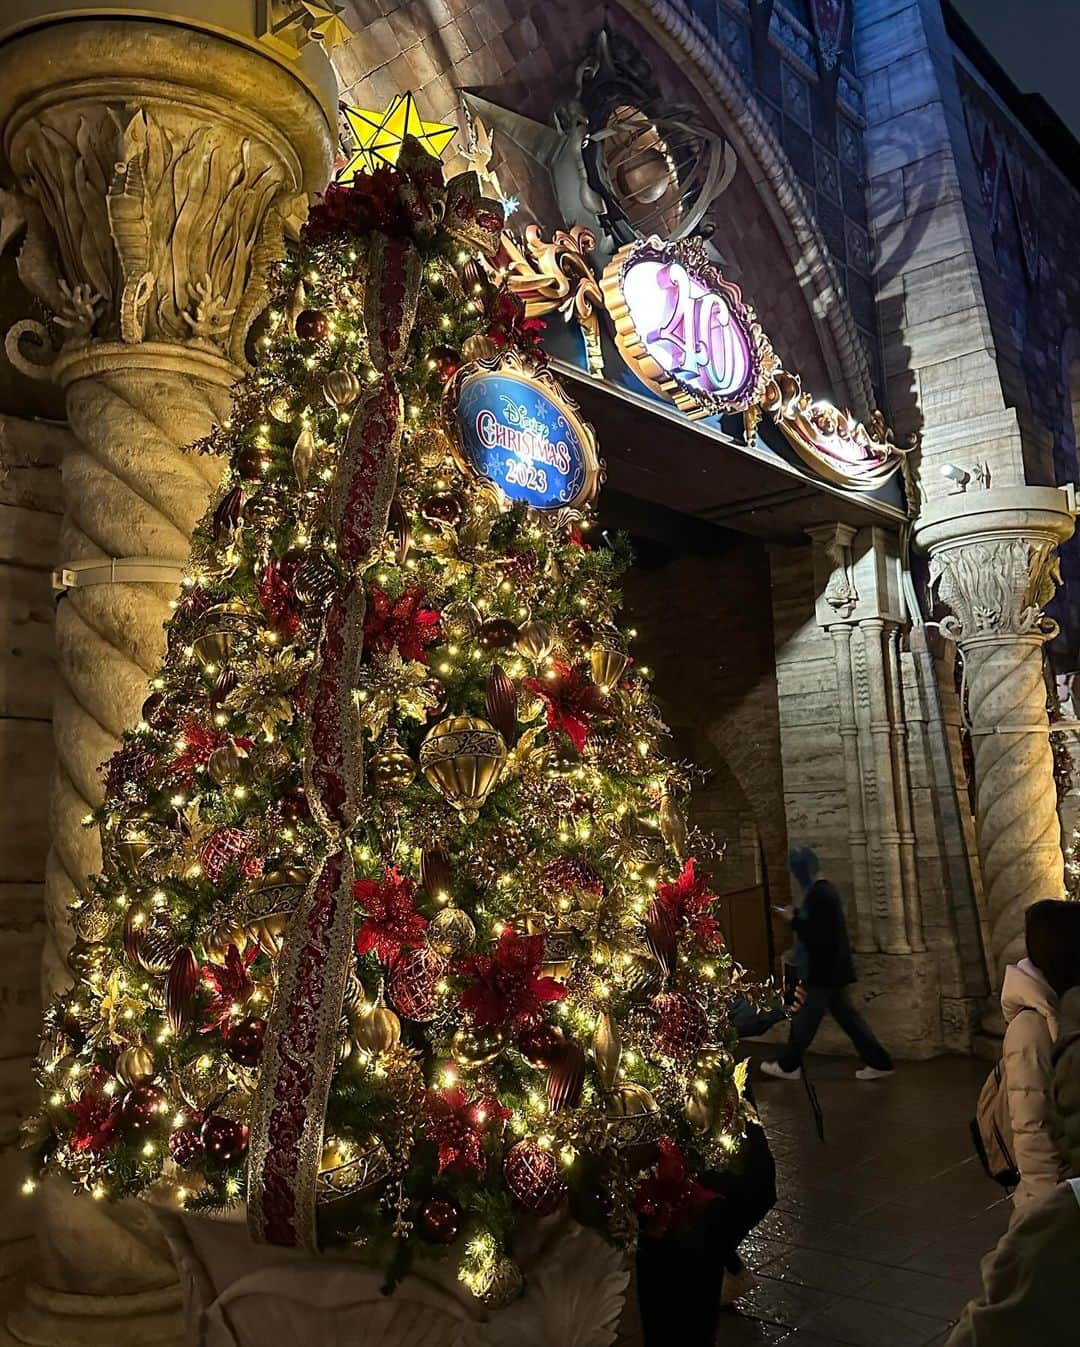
{"x": 117, "y": 571}
{"x": 1010, "y": 729}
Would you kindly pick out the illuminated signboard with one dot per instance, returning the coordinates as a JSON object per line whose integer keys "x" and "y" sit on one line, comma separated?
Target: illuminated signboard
{"x": 515, "y": 429}
{"x": 683, "y": 329}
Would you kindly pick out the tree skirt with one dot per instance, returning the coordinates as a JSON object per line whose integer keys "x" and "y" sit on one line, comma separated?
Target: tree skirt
{"x": 239, "y": 1294}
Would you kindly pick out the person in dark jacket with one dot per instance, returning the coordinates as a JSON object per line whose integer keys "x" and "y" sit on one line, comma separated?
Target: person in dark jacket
{"x": 686, "y": 1276}
{"x": 829, "y": 971}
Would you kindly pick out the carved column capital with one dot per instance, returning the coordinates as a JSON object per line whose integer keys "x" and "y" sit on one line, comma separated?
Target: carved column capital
{"x": 154, "y": 171}
{"x": 993, "y": 560}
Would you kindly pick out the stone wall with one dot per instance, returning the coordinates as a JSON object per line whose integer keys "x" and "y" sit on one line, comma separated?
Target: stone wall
{"x": 705, "y": 631}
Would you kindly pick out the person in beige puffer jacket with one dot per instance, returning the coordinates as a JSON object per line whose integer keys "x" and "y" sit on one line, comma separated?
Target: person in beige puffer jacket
{"x": 1030, "y": 1278}
{"x": 1029, "y": 1002}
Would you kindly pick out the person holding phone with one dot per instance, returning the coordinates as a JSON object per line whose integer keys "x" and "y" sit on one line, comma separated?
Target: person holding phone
{"x": 828, "y": 970}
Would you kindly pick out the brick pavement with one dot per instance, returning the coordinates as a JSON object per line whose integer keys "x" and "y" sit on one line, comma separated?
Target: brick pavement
{"x": 877, "y": 1234}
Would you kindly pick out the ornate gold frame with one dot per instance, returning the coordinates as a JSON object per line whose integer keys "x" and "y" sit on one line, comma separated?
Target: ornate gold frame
{"x": 519, "y": 368}
{"x": 557, "y": 276}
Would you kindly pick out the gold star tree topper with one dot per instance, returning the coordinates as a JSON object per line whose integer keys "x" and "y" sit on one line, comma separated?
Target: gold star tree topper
{"x": 380, "y": 135}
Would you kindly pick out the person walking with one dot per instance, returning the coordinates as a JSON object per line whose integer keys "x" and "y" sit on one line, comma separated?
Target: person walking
{"x": 1030, "y": 995}
{"x": 825, "y": 955}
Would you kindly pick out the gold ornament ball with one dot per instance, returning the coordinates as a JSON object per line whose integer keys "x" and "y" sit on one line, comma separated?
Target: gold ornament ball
{"x": 350, "y": 1167}
{"x": 479, "y": 346}
{"x": 93, "y": 921}
{"x": 699, "y": 1112}
{"x": 376, "y": 1028}
{"x": 221, "y": 626}
{"x": 535, "y": 640}
{"x": 472, "y": 1049}
{"x": 463, "y": 758}
{"x": 461, "y": 619}
{"x": 498, "y": 1283}
{"x": 633, "y": 1116}
{"x": 279, "y": 408}
{"x": 341, "y": 388}
{"x": 452, "y": 932}
{"x": 226, "y": 765}
{"x": 391, "y": 770}
{"x": 431, "y": 447}
{"x": 135, "y": 1066}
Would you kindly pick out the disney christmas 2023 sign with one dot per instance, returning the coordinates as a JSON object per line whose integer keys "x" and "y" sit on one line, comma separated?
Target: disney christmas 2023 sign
{"x": 515, "y": 428}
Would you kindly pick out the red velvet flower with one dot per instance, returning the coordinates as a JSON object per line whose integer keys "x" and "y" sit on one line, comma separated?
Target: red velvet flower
{"x": 229, "y": 986}
{"x": 370, "y": 202}
{"x": 97, "y": 1120}
{"x": 670, "y": 1197}
{"x": 688, "y": 902}
{"x": 505, "y": 987}
{"x": 456, "y": 1125}
{"x": 508, "y": 325}
{"x": 404, "y": 623}
{"x": 201, "y": 744}
{"x": 392, "y": 923}
{"x": 277, "y": 598}
{"x": 572, "y": 700}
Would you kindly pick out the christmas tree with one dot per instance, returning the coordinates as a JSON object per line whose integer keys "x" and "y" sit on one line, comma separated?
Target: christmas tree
{"x": 398, "y": 932}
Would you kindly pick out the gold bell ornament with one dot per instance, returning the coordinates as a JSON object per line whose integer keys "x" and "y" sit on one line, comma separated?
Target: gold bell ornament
{"x": 463, "y": 758}
{"x": 608, "y": 659}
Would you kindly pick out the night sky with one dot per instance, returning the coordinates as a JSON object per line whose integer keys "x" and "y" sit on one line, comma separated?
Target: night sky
{"x": 1037, "y": 43}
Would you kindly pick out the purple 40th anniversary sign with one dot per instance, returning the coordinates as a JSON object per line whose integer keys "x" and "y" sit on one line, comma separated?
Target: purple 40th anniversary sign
{"x": 683, "y": 329}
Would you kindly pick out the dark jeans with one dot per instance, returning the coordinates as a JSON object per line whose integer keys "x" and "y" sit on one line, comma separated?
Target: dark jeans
{"x": 836, "y": 1002}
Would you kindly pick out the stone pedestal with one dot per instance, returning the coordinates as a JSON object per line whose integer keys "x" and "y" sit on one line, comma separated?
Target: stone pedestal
{"x": 993, "y": 567}
{"x": 155, "y": 165}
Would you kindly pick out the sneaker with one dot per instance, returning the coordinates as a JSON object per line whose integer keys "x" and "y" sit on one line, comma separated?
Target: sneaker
{"x": 872, "y": 1073}
{"x": 734, "y": 1285}
{"x": 775, "y": 1069}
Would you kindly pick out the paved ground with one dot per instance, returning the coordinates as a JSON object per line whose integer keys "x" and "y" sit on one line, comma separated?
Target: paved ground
{"x": 877, "y": 1235}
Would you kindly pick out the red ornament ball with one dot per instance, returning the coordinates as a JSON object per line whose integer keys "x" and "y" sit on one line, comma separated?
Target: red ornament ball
{"x": 249, "y": 462}
{"x": 312, "y": 325}
{"x": 224, "y": 1139}
{"x": 413, "y": 983}
{"x": 681, "y": 1026}
{"x": 496, "y": 633}
{"x": 244, "y": 1041}
{"x": 143, "y": 1109}
{"x": 541, "y": 1044}
{"x": 445, "y": 361}
{"x": 439, "y": 1220}
{"x": 567, "y": 874}
{"x": 185, "y": 1147}
{"x": 436, "y": 691}
{"x": 532, "y": 1175}
{"x": 442, "y": 507}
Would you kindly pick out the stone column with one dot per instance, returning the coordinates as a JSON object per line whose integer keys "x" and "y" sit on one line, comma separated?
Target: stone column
{"x": 993, "y": 567}
{"x": 155, "y": 167}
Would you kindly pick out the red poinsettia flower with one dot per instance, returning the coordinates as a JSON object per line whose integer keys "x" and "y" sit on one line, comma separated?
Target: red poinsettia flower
{"x": 508, "y": 325}
{"x": 456, "y": 1125}
{"x": 506, "y": 988}
{"x": 202, "y": 743}
{"x": 688, "y": 902}
{"x": 572, "y": 699}
{"x": 96, "y": 1120}
{"x": 670, "y": 1197}
{"x": 403, "y": 623}
{"x": 229, "y": 986}
{"x": 392, "y": 922}
{"x": 277, "y": 597}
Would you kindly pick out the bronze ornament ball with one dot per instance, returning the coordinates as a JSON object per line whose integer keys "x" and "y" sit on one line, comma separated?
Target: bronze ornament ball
{"x": 439, "y": 1220}
{"x": 312, "y": 325}
{"x": 497, "y": 633}
{"x": 223, "y": 1138}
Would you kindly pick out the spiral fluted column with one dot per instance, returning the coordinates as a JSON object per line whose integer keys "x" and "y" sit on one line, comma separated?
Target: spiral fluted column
{"x": 154, "y": 169}
{"x": 993, "y": 567}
